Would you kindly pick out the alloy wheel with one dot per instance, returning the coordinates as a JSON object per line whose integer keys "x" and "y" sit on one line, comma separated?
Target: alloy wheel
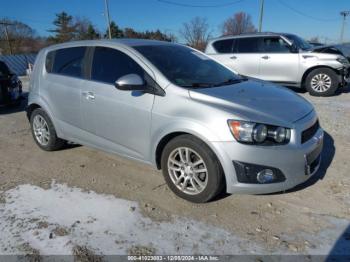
{"x": 41, "y": 130}
{"x": 321, "y": 83}
{"x": 187, "y": 170}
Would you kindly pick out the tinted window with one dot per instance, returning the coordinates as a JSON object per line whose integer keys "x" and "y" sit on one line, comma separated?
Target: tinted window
{"x": 299, "y": 42}
{"x": 110, "y": 64}
{"x": 224, "y": 46}
{"x": 186, "y": 67}
{"x": 274, "y": 45}
{"x": 247, "y": 45}
{"x": 49, "y": 61}
{"x": 67, "y": 61}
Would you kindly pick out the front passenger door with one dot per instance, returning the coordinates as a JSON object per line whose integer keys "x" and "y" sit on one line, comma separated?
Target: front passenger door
{"x": 278, "y": 63}
{"x": 122, "y": 118}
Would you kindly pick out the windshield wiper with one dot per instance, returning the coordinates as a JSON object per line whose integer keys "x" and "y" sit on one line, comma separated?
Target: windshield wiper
{"x": 231, "y": 81}
{"x": 198, "y": 85}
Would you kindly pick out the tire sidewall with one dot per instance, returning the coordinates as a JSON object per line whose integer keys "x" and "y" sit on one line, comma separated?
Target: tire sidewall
{"x": 334, "y": 82}
{"x": 215, "y": 176}
{"x": 53, "y": 138}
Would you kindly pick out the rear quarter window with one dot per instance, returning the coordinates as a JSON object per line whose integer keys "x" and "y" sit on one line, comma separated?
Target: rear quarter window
{"x": 67, "y": 61}
{"x": 224, "y": 46}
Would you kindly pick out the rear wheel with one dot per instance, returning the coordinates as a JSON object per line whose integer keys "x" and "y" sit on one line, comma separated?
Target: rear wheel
{"x": 44, "y": 132}
{"x": 191, "y": 170}
{"x": 322, "y": 82}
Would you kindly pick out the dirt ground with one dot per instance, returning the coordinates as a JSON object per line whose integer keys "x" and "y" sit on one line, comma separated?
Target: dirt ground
{"x": 303, "y": 220}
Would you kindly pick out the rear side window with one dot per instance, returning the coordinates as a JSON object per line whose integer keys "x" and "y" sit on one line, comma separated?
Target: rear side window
{"x": 224, "y": 46}
{"x": 247, "y": 45}
{"x": 110, "y": 64}
{"x": 67, "y": 61}
{"x": 274, "y": 45}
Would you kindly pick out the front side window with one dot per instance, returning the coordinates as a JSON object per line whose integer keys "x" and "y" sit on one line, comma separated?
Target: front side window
{"x": 275, "y": 45}
{"x": 186, "y": 67}
{"x": 67, "y": 61}
{"x": 247, "y": 45}
{"x": 224, "y": 46}
{"x": 299, "y": 42}
{"x": 110, "y": 64}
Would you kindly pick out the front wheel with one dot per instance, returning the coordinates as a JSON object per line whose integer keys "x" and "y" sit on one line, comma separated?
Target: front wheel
{"x": 191, "y": 170}
{"x": 322, "y": 82}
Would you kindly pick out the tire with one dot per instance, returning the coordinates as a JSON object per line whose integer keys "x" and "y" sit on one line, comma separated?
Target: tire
{"x": 50, "y": 141}
{"x": 211, "y": 182}
{"x": 324, "y": 75}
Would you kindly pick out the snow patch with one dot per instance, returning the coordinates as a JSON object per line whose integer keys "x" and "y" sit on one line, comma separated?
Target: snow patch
{"x": 55, "y": 220}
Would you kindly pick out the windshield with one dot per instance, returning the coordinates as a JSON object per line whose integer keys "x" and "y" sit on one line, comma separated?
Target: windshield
{"x": 299, "y": 42}
{"x": 186, "y": 67}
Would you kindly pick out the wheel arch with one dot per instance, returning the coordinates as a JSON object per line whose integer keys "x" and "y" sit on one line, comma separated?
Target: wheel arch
{"x": 171, "y": 135}
{"x": 30, "y": 108}
{"x": 308, "y": 71}
{"x": 162, "y": 143}
{"x": 40, "y": 103}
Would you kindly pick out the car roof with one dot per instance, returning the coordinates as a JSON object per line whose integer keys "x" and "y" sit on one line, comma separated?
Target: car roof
{"x": 127, "y": 42}
{"x": 249, "y": 35}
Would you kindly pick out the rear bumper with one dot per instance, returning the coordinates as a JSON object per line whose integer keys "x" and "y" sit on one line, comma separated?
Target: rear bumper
{"x": 291, "y": 160}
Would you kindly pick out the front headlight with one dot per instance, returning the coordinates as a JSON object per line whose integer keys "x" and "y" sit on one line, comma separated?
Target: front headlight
{"x": 255, "y": 133}
{"x": 343, "y": 60}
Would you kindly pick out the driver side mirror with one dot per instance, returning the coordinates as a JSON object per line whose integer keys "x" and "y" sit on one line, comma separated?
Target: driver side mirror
{"x": 131, "y": 82}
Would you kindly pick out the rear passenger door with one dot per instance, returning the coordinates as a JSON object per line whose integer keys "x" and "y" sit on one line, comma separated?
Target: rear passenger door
{"x": 122, "y": 118}
{"x": 246, "y": 57}
{"x": 278, "y": 63}
{"x": 65, "y": 73}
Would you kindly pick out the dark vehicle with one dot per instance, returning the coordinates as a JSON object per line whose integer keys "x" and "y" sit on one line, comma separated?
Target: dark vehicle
{"x": 10, "y": 86}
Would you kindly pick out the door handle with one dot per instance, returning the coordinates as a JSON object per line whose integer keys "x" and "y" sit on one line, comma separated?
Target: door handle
{"x": 89, "y": 95}
{"x": 265, "y": 57}
{"x": 233, "y": 57}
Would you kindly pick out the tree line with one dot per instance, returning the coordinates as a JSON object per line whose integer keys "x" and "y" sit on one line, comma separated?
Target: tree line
{"x": 17, "y": 37}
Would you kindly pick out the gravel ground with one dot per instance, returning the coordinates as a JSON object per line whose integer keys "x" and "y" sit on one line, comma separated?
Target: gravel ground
{"x": 313, "y": 218}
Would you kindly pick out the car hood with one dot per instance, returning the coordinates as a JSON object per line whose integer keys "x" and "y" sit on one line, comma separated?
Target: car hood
{"x": 256, "y": 101}
{"x": 341, "y": 49}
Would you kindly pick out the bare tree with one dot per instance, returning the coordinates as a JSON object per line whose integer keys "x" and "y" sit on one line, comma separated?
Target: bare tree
{"x": 21, "y": 38}
{"x": 237, "y": 24}
{"x": 84, "y": 29}
{"x": 315, "y": 39}
{"x": 196, "y": 32}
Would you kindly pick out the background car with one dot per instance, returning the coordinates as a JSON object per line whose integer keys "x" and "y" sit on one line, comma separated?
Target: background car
{"x": 10, "y": 86}
{"x": 282, "y": 58}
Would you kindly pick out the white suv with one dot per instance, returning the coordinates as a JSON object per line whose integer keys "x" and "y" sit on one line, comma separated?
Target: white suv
{"x": 283, "y": 58}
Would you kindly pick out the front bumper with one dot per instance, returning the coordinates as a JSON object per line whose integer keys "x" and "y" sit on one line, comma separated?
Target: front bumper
{"x": 293, "y": 160}
{"x": 346, "y": 76}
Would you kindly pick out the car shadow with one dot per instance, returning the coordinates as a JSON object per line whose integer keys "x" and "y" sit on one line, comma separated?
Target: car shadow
{"x": 297, "y": 89}
{"x": 327, "y": 156}
{"x": 340, "y": 91}
{"x": 343, "y": 90}
{"x": 11, "y": 109}
{"x": 341, "y": 249}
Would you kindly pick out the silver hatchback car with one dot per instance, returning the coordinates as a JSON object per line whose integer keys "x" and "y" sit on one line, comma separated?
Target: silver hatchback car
{"x": 175, "y": 108}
